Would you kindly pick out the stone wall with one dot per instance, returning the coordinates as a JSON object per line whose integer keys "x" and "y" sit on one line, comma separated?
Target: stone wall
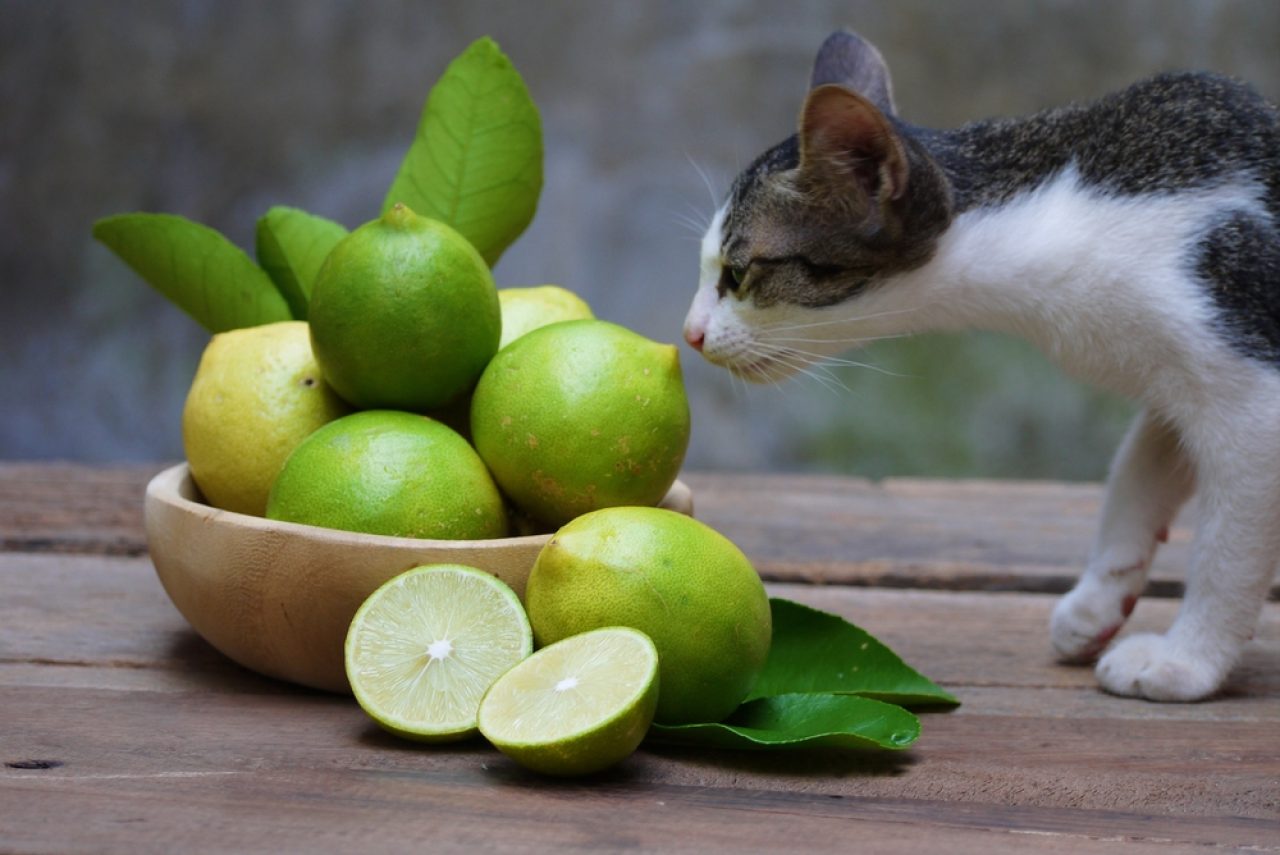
{"x": 218, "y": 109}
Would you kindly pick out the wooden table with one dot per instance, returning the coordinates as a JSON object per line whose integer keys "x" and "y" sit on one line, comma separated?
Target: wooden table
{"x": 121, "y": 730}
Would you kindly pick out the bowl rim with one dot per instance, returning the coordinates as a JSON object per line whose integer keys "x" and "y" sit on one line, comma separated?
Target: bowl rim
{"x": 176, "y": 488}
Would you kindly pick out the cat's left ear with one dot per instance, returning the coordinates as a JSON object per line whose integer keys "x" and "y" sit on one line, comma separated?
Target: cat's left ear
{"x": 845, "y": 138}
{"x": 853, "y": 62}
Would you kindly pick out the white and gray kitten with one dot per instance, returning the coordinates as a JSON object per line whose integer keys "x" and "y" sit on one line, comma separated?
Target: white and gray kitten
{"x": 1135, "y": 239}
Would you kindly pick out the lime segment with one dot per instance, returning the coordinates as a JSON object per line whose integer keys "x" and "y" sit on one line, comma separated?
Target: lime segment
{"x": 577, "y": 706}
{"x": 425, "y": 647}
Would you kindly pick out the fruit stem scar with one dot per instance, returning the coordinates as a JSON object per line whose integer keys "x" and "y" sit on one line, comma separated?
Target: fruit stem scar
{"x": 440, "y": 649}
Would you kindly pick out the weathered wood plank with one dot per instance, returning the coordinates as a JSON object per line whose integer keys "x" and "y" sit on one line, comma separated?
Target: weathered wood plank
{"x": 916, "y": 533}
{"x": 960, "y": 535}
{"x": 86, "y": 612}
{"x": 69, "y": 507}
{"x": 180, "y": 757}
{"x": 164, "y": 745}
{"x": 502, "y": 811}
{"x": 103, "y": 661}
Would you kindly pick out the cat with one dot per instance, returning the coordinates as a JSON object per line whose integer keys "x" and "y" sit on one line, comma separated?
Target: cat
{"x": 1135, "y": 239}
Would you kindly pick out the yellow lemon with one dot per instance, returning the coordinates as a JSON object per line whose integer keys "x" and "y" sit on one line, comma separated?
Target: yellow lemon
{"x": 257, "y": 394}
{"x": 526, "y": 309}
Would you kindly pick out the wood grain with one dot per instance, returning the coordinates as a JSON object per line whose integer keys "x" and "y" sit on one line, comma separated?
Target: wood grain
{"x": 909, "y": 533}
{"x": 122, "y": 731}
{"x": 499, "y": 810}
{"x": 69, "y": 507}
{"x": 954, "y": 535}
{"x": 134, "y": 694}
{"x": 108, "y": 612}
{"x": 185, "y": 753}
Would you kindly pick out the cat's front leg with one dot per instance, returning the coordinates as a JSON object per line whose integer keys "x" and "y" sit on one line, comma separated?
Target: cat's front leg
{"x": 1150, "y": 479}
{"x": 1235, "y": 554}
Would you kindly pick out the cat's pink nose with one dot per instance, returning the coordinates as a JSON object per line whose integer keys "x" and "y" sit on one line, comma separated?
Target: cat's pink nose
{"x": 695, "y": 338}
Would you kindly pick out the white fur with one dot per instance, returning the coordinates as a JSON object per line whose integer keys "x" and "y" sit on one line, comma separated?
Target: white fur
{"x": 1106, "y": 286}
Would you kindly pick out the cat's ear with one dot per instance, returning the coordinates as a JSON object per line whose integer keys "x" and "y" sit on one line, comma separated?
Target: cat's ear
{"x": 845, "y": 138}
{"x": 851, "y": 61}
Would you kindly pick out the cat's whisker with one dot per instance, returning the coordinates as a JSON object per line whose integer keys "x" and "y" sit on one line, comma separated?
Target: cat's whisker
{"x": 799, "y": 363}
{"x": 706, "y": 180}
{"x": 824, "y": 360}
{"x": 850, "y": 342}
{"x": 820, "y": 371}
{"x": 693, "y": 222}
{"x": 740, "y": 385}
{"x": 701, "y": 217}
{"x": 844, "y": 321}
{"x": 870, "y": 366}
{"x": 825, "y": 379}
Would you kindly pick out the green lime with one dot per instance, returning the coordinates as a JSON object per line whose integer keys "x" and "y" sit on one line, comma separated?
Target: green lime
{"x": 675, "y": 579}
{"x": 526, "y": 309}
{"x": 581, "y": 415}
{"x": 404, "y": 314}
{"x": 425, "y": 647}
{"x": 389, "y": 472}
{"x": 577, "y": 706}
{"x": 257, "y": 394}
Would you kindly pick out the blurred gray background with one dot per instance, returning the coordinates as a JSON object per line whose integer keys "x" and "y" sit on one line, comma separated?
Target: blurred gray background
{"x": 217, "y": 110}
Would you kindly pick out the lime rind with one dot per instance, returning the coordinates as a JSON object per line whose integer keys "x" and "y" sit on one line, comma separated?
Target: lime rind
{"x": 577, "y": 706}
{"x": 686, "y": 586}
{"x": 424, "y": 648}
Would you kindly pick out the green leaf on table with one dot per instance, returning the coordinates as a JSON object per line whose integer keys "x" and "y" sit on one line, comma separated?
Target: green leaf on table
{"x": 206, "y": 275}
{"x": 802, "y": 721}
{"x": 476, "y": 160}
{"x": 813, "y": 651}
{"x": 291, "y": 245}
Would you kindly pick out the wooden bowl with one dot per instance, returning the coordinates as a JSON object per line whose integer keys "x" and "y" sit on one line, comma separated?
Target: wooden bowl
{"x": 278, "y": 597}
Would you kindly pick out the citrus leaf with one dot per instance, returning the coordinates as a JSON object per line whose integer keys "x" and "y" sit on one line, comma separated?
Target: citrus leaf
{"x": 813, "y": 651}
{"x": 802, "y": 721}
{"x": 476, "y": 160}
{"x": 207, "y": 276}
{"x": 291, "y": 245}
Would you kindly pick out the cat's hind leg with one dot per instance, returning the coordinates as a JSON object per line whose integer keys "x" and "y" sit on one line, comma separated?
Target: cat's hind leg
{"x": 1150, "y": 479}
{"x": 1234, "y": 558}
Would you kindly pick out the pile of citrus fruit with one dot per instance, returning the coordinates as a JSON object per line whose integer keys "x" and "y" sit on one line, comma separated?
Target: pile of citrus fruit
{"x": 390, "y": 410}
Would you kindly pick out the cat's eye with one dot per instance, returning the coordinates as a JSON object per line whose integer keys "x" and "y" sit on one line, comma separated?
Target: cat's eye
{"x": 736, "y": 275}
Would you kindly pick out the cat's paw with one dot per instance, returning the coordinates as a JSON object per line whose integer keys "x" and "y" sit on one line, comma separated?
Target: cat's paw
{"x": 1156, "y": 668}
{"x": 1086, "y": 619}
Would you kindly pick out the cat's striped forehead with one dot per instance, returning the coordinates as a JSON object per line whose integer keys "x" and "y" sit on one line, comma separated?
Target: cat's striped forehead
{"x": 748, "y": 195}
{"x": 782, "y": 157}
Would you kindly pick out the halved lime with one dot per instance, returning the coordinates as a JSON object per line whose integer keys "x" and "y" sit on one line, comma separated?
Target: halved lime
{"x": 425, "y": 647}
{"x": 576, "y": 706}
